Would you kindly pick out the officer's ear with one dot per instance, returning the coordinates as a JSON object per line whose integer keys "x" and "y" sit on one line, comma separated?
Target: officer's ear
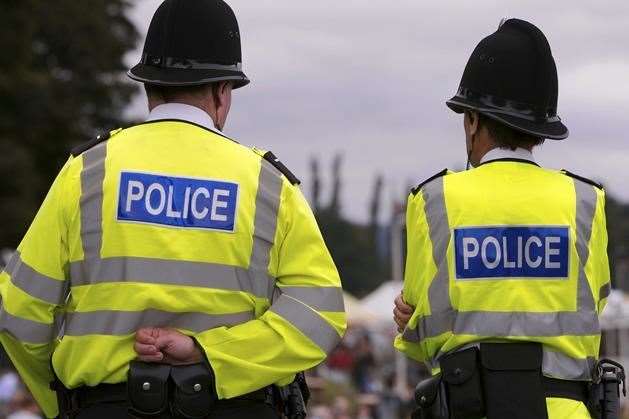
{"x": 222, "y": 97}
{"x": 471, "y": 123}
{"x": 221, "y": 93}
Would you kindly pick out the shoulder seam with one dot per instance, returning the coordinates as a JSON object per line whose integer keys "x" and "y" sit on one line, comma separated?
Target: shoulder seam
{"x": 418, "y": 188}
{"x": 583, "y": 179}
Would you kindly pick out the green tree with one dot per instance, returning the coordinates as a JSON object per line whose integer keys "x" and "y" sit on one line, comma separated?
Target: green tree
{"x": 61, "y": 80}
{"x": 618, "y": 233}
{"x": 353, "y": 246}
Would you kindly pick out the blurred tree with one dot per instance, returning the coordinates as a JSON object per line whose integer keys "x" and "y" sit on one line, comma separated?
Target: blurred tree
{"x": 335, "y": 202}
{"x": 374, "y": 207}
{"x": 316, "y": 184}
{"x": 618, "y": 234}
{"x": 61, "y": 80}
{"x": 353, "y": 246}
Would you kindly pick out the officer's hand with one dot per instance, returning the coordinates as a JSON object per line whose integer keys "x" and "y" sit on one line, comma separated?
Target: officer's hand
{"x": 402, "y": 313}
{"x": 168, "y": 346}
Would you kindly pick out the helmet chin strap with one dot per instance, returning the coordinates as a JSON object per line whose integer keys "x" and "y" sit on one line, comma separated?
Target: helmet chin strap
{"x": 469, "y": 153}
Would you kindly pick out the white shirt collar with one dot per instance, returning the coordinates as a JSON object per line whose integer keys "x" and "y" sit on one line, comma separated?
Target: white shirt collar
{"x": 183, "y": 112}
{"x": 502, "y": 153}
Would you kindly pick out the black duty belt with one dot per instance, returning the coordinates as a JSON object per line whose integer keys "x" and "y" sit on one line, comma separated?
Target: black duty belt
{"x": 117, "y": 393}
{"x": 564, "y": 389}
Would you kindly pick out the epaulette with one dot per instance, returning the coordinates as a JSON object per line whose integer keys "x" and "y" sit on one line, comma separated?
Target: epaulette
{"x": 81, "y": 148}
{"x": 270, "y": 157}
{"x": 582, "y": 179}
{"x": 417, "y": 188}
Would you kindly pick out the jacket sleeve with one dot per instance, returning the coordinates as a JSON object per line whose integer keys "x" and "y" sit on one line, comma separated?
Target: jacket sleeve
{"x": 597, "y": 266}
{"x": 420, "y": 269}
{"x": 33, "y": 289}
{"x": 306, "y": 318}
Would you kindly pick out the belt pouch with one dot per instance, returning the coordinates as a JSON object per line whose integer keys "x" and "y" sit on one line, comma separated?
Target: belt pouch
{"x": 194, "y": 393}
{"x": 463, "y": 384}
{"x": 512, "y": 378}
{"x": 430, "y": 399}
{"x": 147, "y": 387}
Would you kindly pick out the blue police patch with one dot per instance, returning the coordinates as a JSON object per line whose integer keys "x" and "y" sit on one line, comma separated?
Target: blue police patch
{"x": 511, "y": 252}
{"x": 177, "y": 201}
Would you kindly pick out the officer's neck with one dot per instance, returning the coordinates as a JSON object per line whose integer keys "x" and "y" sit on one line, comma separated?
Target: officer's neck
{"x": 497, "y": 153}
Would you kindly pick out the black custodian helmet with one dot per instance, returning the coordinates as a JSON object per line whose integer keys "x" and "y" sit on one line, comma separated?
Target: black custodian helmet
{"x": 191, "y": 42}
{"x": 511, "y": 77}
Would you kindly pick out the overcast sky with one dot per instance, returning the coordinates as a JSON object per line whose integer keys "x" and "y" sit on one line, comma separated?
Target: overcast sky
{"x": 369, "y": 78}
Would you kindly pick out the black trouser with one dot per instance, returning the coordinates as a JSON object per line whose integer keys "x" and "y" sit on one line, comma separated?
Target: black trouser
{"x": 225, "y": 409}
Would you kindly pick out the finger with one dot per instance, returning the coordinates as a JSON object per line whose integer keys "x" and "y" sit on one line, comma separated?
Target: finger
{"x": 152, "y": 358}
{"x": 142, "y": 349}
{"x": 400, "y": 322}
{"x": 405, "y": 317}
{"x": 145, "y": 336}
{"x": 402, "y": 306}
{"x": 165, "y": 340}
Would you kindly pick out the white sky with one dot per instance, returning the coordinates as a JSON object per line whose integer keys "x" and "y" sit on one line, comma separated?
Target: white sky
{"x": 369, "y": 78}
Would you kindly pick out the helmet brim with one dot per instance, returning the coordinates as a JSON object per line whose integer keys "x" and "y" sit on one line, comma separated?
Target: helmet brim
{"x": 185, "y": 77}
{"x": 554, "y": 130}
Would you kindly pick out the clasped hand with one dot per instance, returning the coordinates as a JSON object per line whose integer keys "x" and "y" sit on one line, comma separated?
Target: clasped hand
{"x": 166, "y": 346}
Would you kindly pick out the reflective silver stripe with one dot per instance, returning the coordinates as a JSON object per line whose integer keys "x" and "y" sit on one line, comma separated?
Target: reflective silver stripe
{"x": 499, "y": 324}
{"x": 318, "y": 298}
{"x": 92, "y": 177}
{"x": 33, "y": 283}
{"x": 307, "y": 321}
{"x": 442, "y": 314}
{"x": 585, "y": 210}
{"x": 412, "y": 334}
{"x": 559, "y": 365}
{"x": 503, "y": 324}
{"x": 169, "y": 272}
{"x": 265, "y": 223}
{"x": 128, "y": 322}
{"x": 26, "y": 331}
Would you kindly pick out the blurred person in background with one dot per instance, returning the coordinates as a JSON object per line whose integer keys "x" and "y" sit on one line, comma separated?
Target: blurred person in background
{"x": 364, "y": 365}
{"x": 186, "y": 272}
{"x": 23, "y": 406}
{"x": 507, "y": 267}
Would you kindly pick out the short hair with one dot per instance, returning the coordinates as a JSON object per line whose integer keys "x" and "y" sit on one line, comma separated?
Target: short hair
{"x": 507, "y": 137}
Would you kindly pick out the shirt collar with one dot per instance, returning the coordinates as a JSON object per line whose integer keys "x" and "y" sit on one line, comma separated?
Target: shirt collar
{"x": 182, "y": 112}
{"x": 503, "y": 153}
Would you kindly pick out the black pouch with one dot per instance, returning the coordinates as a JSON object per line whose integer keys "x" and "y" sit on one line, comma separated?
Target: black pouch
{"x": 430, "y": 399}
{"x": 512, "y": 378}
{"x": 147, "y": 387}
{"x": 463, "y": 384}
{"x": 193, "y": 395}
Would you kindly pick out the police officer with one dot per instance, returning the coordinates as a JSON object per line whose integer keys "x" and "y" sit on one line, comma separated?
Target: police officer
{"x": 172, "y": 272}
{"x": 507, "y": 267}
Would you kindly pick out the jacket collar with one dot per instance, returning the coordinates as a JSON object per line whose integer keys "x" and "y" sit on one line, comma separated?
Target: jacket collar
{"x": 502, "y": 154}
{"x": 182, "y": 112}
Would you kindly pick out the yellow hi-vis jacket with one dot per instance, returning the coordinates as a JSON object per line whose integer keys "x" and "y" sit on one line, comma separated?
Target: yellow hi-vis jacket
{"x": 168, "y": 224}
{"x": 508, "y": 251}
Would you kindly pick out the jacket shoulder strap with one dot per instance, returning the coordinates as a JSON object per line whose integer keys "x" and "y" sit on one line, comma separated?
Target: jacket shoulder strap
{"x": 82, "y": 148}
{"x": 419, "y": 187}
{"x": 271, "y": 158}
